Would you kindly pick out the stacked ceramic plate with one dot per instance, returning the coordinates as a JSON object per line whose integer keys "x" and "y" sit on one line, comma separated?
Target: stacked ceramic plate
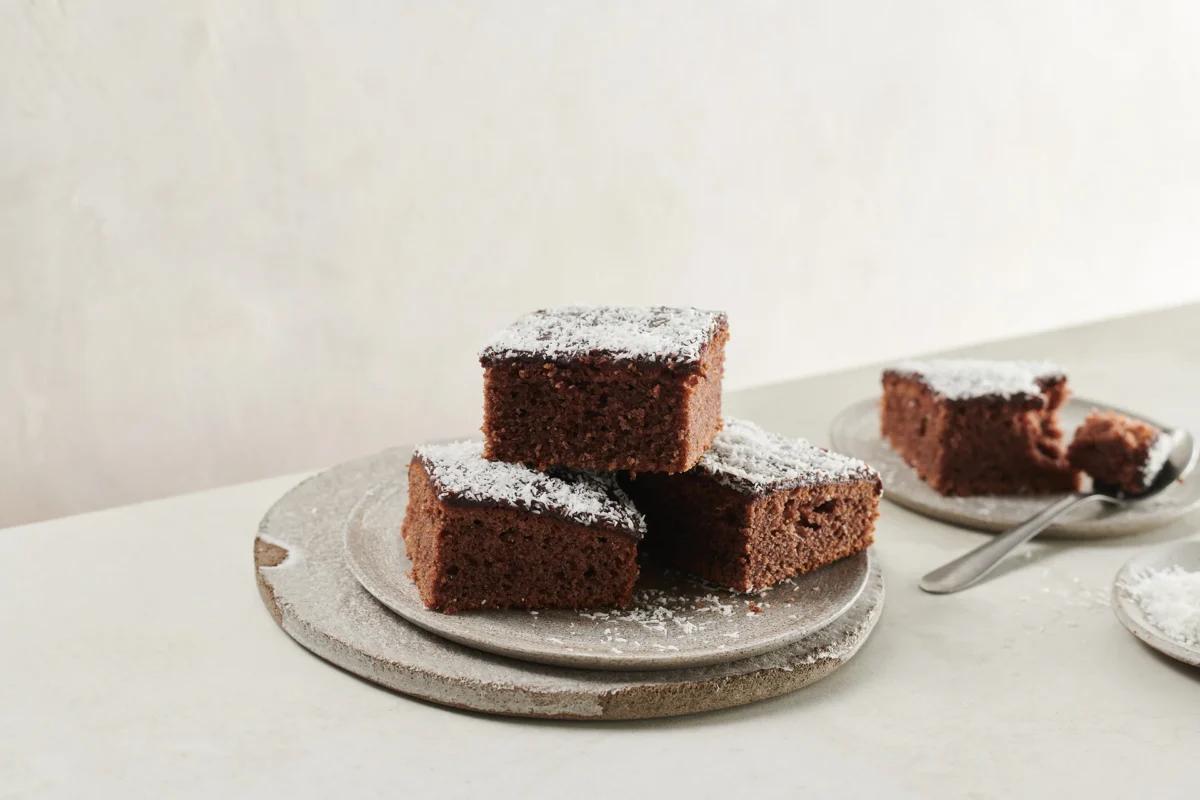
{"x": 333, "y": 571}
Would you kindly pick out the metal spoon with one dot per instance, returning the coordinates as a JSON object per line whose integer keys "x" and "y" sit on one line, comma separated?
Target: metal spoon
{"x": 966, "y": 570}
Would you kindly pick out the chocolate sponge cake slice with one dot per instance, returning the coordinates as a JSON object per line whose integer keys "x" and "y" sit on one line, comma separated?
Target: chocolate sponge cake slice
{"x": 1119, "y": 452}
{"x": 605, "y": 388}
{"x": 971, "y": 427}
{"x": 488, "y": 534}
{"x": 758, "y": 508}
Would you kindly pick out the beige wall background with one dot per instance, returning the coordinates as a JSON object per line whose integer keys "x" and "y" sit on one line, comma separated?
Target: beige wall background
{"x": 244, "y": 238}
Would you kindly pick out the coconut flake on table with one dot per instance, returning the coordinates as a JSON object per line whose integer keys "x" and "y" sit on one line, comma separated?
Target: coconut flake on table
{"x": 1170, "y": 599}
{"x": 743, "y": 456}
{"x": 657, "y": 333}
{"x": 964, "y": 378}
{"x": 460, "y": 471}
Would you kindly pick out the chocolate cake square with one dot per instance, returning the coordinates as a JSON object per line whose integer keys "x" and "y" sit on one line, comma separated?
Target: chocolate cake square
{"x": 1119, "y": 452}
{"x": 973, "y": 427}
{"x": 758, "y": 508}
{"x": 605, "y": 388}
{"x": 488, "y": 534}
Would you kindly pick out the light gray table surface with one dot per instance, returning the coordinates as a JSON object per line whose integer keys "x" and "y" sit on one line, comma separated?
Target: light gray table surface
{"x": 138, "y": 660}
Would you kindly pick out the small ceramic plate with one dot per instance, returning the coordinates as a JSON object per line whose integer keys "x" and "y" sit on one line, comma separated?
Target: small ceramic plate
{"x": 1133, "y": 616}
{"x": 855, "y": 431}
{"x": 676, "y": 621}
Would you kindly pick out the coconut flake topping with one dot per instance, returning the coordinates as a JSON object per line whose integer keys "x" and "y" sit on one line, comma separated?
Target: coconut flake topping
{"x": 1170, "y": 598}
{"x": 745, "y": 457}
{"x": 657, "y": 333}
{"x": 962, "y": 379}
{"x": 459, "y": 471}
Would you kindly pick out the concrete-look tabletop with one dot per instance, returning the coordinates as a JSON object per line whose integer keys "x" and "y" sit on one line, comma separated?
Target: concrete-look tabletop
{"x": 138, "y": 660}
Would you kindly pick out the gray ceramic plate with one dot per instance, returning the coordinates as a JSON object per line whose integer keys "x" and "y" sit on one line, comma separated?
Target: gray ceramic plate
{"x": 676, "y": 621}
{"x": 1133, "y": 617}
{"x": 855, "y": 431}
{"x": 300, "y": 565}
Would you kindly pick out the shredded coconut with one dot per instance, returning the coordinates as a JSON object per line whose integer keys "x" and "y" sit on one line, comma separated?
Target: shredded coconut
{"x": 460, "y": 471}
{"x": 673, "y": 614}
{"x": 961, "y": 379}
{"x": 656, "y": 333}
{"x": 745, "y": 457}
{"x": 1170, "y": 598}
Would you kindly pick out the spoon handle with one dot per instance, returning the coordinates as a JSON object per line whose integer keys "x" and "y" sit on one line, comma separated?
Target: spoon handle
{"x": 967, "y": 569}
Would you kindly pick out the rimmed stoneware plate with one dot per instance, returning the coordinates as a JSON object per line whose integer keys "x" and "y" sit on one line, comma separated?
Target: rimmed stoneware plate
{"x": 1133, "y": 616}
{"x": 855, "y": 431}
{"x": 675, "y": 622}
{"x": 300, "y": 567}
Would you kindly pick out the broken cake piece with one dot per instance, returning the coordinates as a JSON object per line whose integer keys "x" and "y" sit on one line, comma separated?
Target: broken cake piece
{"x": 1119, "y": 452}
{"x": 971, "y": 427}
{"x": 605, "y": 388}
{"x": 489, "y": 534}
{"x": 758, "y": 508}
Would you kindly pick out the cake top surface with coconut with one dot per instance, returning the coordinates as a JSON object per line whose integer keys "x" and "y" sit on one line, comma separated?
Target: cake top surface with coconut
{"x": 967, "y": 378}
{"x": 651, "y": 333}
{"x": 461, "y": 474}
{"x": 747, "y": 458}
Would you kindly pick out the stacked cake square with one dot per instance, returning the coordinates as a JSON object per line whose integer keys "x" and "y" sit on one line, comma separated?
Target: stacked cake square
{"x": 603, "y": 435}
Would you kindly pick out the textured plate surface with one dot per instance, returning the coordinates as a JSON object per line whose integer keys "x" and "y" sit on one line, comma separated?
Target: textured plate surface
{"x": 856, "y": 431}
{"x": 314, "y": 597}
{"x": 675, "y": 621}
{"x": 1183, "y": 554}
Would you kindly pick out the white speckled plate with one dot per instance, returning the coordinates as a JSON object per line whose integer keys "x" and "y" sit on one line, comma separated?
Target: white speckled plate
{"x": 855, "y": 431}
{"x": 1133, "y": 617}
{"x": 676, "y": 621}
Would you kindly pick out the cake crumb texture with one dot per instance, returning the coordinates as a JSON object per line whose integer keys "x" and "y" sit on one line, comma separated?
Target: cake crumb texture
{"x": 480, "y": 556}
{"x": 1118, "y": 451}
{"x": 979, "y": 428}
{"x": 763, "y": 509}
{"x": 571, "y": 390}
